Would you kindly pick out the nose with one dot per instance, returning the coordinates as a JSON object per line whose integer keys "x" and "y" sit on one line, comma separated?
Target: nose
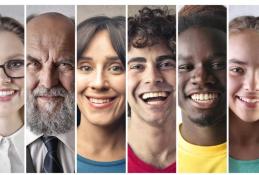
{"x": 251, "y": 82}
{"x": 99, "y": 81}
{"x": 153, "y": 75}
{"x": 3, "y": 77}
{"x": 49, "y": 77}
{"x": 201, "y": 76}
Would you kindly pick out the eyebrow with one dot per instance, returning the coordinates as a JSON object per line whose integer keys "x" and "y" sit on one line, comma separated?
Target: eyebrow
{"x": 165, "y": 57}
{"x": 137, "y": 59}
{"x": 30, "y": 58}
{"x": 234, "y": 60}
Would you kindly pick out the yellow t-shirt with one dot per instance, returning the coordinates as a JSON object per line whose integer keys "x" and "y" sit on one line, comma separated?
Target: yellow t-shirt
{"x": 201, "y": 159}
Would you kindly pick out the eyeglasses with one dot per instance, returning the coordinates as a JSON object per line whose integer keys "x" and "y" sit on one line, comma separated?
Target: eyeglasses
{"x": 13, "y": 68}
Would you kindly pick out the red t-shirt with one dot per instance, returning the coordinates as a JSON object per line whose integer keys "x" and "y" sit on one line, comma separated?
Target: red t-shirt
{"x": 135, "y": 165}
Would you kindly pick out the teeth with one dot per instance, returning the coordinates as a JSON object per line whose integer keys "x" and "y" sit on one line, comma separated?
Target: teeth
{"x": 204, "y": 96}
{"x": 153, "y": 94}
{"x": 6, "y": 93}
{"x": 249, "y": 100}
{"x": 99, "y": 101}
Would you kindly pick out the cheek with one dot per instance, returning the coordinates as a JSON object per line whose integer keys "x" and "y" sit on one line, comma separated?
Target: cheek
{"x": 222, "y": 78}
{"x": 235, "y": 84}
{"x": 82, "y": 82}
{"x": 170, "y": 77}
{"x": 67, "y": 81}
{"x": 118, "y": 83}
{"x": 132, "y": 82}
{"x": 31, "y": 81}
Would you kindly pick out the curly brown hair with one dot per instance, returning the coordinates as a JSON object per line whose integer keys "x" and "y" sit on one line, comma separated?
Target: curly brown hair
{"x": 150, "y": 26}
{"x": 244, "y": 22}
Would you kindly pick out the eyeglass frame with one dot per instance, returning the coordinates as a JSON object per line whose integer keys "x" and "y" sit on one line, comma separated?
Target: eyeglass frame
{"x": 3, "y": 67}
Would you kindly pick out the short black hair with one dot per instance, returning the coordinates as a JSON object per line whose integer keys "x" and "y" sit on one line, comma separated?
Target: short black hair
{"x": 150, "y": 26}
{"x": 115, "y": 26}
{"x": 211, "y": 16}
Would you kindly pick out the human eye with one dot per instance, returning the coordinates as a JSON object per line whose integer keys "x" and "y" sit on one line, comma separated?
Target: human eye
{"x": 235, "y": 70}
{"x": 33, "y": 64}
{"x": 116, "y": 68}
{"x": 65, "y": 66}
{"x": 167, "y": 64}
{"x": 15, "y": 64}
{"x": 86, "y": 68}
{"x": 136, "y": 67}
{"x": 185, "y": 67}
{"x": 218, "y": 65}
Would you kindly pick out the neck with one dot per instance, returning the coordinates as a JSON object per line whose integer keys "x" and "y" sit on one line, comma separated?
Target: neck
{"x": 10, "y": 123}
{"x": 241, "y": 132}
{"x": 158, "y": 141}
{"x": 97, "y": 138}
{"x": 203, "y": 135}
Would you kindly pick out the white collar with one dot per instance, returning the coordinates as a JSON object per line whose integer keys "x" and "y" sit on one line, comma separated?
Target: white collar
{"x": 17, "y": 139}
{"x": 67, "y": 138}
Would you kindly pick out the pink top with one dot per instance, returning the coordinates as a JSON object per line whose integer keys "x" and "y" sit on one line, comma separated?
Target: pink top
{"x": 135, "y": 165}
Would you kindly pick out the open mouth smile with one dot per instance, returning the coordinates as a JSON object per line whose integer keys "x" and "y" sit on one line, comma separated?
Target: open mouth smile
{"x": 204, "y": 99}
{"x": 6, "y": 95}
{"x": 155, "y": 98}
{"x": 250, "y": 102}
{"x": 100, "y": 102}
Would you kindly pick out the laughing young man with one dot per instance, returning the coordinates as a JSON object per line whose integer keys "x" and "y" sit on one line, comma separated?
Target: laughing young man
{"x": 151, "y": 91}
{"x": 202, "y": 89}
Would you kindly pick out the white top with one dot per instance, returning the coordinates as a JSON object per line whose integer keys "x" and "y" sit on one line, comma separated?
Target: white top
{"x": 66, "y": 150}
{"x": 12, "y": 152}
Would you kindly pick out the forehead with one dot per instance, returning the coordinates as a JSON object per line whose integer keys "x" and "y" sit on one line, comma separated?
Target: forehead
{"x": 46, "y": 39}
{"x": 201, "y": 43}
{"x": 244, "y": 46}
{"x": 10, "y": 45}
{"x": 150, "y": 53}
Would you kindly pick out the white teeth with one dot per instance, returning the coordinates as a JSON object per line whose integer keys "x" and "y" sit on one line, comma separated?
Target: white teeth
{"x": 153, "y": 94}
{"x": 249, "y": 100}
{"x": 204, "y": 96}
{"x": 6, "y": 93}
{"x": 99, "y": 101}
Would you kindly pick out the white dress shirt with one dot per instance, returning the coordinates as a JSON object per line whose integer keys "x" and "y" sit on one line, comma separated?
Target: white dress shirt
{"x": 12, "y": 152}
{"x": 66, "y": 150}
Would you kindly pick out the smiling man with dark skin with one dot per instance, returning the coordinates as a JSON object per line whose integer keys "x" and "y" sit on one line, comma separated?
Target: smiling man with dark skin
{"x": 202, "y": 89}
{"x": 151, "y": 92}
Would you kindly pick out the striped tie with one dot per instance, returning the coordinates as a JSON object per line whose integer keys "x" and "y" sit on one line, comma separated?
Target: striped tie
{"x": 51, "y": 162}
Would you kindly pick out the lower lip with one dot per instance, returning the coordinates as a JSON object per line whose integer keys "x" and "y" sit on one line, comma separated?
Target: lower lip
{"x": 8, "y": 97}
{"x": 248, "y": 105}
{"x": 204, "y": 104}
{"x": 100, "y": 105}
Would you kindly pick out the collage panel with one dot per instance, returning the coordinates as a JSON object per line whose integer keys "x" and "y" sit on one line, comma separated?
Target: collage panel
{"x": 101, "y": 86}
{"x": 12, "y": 89}
{"x": 243, "y": 89}
{"x": 50, "y": 64}
{"x": 202, "y": 87}
{"x": 151, "y": 89}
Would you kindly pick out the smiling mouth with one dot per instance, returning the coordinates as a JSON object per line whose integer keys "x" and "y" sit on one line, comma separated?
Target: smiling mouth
{"x": 100, "y": 100}
{"x": 7, "y": 93}
{"x": 204, "y": 97}
{"x": 155, "y": 98}
{"x": 248, "y": 100}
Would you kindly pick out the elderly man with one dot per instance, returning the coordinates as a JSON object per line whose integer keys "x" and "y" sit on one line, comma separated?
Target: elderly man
{"x": 151, "y": 91}
{"x": 50, "y": 93}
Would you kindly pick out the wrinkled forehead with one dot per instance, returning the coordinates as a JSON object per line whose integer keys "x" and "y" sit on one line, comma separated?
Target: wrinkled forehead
{"x": 46, "y": 38}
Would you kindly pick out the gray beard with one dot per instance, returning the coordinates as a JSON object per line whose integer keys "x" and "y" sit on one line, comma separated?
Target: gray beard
{"x": 49, "y": 122}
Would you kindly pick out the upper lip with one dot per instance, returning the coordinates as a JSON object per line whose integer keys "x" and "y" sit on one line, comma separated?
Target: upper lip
{"x": 249, "y": 96}
{"x": 100, "y": 97}
{"x": 190, "y": 93}
{"x": 7, "y": 89}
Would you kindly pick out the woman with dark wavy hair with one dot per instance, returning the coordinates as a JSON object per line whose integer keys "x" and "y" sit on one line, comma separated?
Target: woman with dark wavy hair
{"x": 101, "y": 95}
{"x": 11, "y": 96}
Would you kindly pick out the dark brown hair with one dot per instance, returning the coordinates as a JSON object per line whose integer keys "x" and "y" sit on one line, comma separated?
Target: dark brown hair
{"x": 12, "y": 25}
